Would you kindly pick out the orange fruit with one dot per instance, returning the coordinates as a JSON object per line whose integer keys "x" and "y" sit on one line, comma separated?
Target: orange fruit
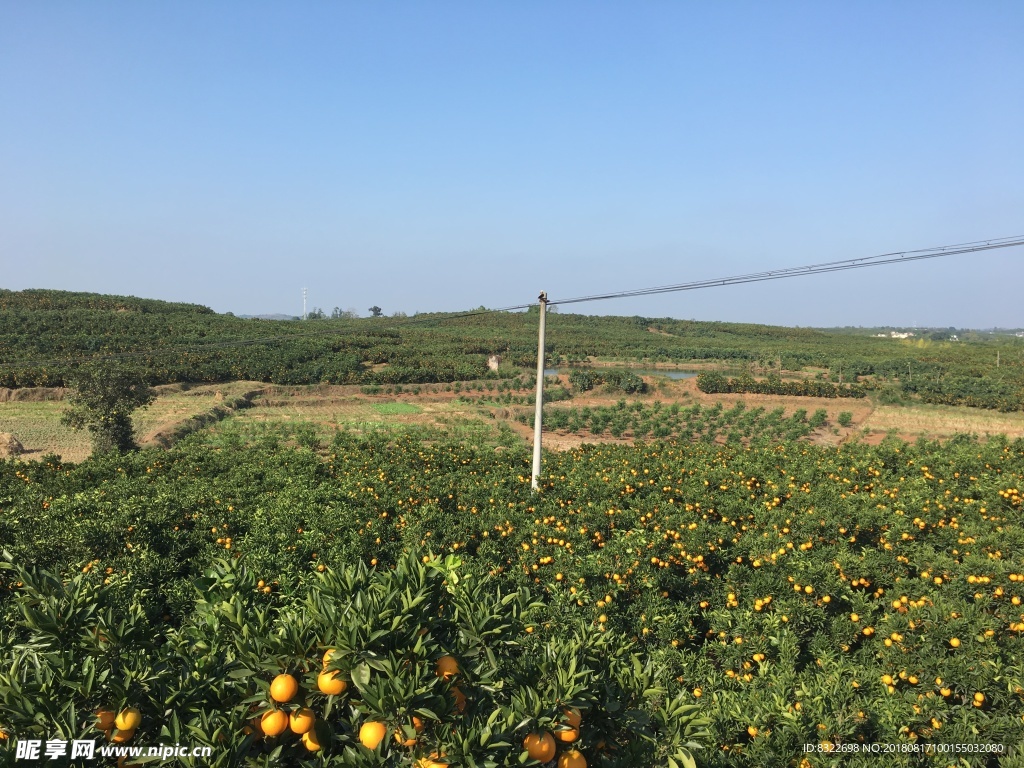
{"x": 434, "y": 761}
{"x": 460, "y": 699}
{"x": 284, "y": 688}
{"x": 274, "y": 722}
{"x": 105, "y": 719}
{"x": 573, "y": 758}
{"x": 540, "y": 746}
{"x": 399, "y": 734}
{"x": 314, "y": 739}
{"x": 254, "y": 727}
{"x": 121, "y": 736}
{"x": 327, "y": 656}
{"x": 447, "y": 667}
{"x": 301, "y": 720}
{"x": 417, "y": 724}
{"x": 330, "y": 683}
{"x": 567, "y": 735}
{"x": 128, "y": 719}
{"x": 572, "y": 716}
{"x": 310, "y": 741}
{"x": 371, "y": 734}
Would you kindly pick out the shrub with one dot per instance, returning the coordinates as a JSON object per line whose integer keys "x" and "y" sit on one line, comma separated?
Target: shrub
{"x": 584, "y": 380}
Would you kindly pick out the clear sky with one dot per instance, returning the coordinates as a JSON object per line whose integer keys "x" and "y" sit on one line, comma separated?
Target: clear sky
{"x": 440, "y": 155}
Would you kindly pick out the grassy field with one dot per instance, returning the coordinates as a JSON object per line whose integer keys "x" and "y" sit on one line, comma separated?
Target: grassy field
{"x": 939, "y": 421}
{"x": 312, "y": 415}
{"x": 37, "y": 424}
{"x": 37, "y": 427}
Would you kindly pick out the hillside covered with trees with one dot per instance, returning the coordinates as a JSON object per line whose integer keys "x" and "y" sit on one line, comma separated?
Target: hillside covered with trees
{"x": 45, "y": 334}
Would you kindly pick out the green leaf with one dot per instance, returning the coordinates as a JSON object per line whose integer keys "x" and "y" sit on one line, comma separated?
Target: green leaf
{"x": 361, "y": 676}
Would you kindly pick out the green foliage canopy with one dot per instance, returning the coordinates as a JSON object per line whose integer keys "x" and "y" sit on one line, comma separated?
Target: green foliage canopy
{"x": 103, "y": 399}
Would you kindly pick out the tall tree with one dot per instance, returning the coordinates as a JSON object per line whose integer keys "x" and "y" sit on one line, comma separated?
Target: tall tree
{"x": 102, "y": 400}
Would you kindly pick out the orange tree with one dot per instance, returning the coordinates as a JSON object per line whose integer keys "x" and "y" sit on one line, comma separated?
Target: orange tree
{"x": 432, "y": 668}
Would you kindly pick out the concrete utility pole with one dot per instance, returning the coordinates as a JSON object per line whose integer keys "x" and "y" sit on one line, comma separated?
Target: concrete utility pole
{"x": 303, "y": 303}
{"x": 538, "y": 414}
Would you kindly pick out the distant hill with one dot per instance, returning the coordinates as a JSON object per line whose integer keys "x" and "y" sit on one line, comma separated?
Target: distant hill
{"x": 275, "y": 316}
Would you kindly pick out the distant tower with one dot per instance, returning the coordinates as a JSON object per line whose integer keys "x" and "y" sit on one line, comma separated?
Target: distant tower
{"x": 303, "y": 303}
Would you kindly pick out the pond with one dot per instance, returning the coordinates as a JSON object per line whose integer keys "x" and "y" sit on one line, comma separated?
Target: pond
{"x": 667, "y": 373}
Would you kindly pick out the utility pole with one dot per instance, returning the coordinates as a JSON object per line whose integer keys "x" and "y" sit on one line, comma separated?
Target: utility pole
{"x": 303, "y": 303}
{"x": 538, "y": 414}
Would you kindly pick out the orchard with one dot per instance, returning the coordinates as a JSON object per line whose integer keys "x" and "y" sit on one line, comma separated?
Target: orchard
{"x": 399, "y": 602}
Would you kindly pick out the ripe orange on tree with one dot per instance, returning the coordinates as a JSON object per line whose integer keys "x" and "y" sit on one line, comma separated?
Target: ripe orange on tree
{"x": 105, "y": 719}
{"x": 330, "y": 683}
{"x": 403, "y": 741}
{"x": 284, "y": 688}
{"x": 128, "y": 719}
{"x": 310, "y": 741}
{"x": 301, "y": 720}
{"x": 567, "y": 735}
{"x": 434, "y": 761}
{"x": 417, "y": 724}
{"x": 371, "y": 734}
{"x": 572, "y": 758}
{"x": 447, "y": 667}
{"x": 315, "y": 738}
{"x": 254, "y": 728}
{"x": 573, "y": 717}
{"x": 540, "y": 746}
{"x": 460, "y": 699}
{"x": 274, "y": 722}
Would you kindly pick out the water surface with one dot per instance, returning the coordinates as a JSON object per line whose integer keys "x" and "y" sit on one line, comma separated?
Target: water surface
{"x": 667, "y": 373}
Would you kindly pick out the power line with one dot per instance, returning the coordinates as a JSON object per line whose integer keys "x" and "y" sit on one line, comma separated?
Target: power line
{"x": 813, "y": 269}
{"x": 777, "y": 274}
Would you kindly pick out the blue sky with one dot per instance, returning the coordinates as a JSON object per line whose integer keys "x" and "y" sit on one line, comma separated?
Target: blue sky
{"x": 444, "y": 155}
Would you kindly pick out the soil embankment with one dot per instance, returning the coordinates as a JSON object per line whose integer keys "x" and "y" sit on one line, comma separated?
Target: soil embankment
{"x": 168, "y": 436}
{"x": 32, "y": 394}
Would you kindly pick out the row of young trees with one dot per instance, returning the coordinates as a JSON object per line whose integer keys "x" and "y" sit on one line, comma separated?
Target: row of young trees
{"x": 712, "y": 382}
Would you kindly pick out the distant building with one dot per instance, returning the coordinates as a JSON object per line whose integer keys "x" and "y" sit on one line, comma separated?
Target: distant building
{"x": 901, "y": 334}
{"x": 493, "y": 362}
